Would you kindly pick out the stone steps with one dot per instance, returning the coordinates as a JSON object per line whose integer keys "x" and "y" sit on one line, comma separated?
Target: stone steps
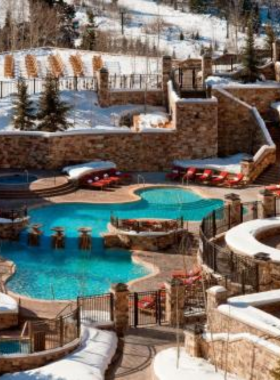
{"x": 64, "y": 189}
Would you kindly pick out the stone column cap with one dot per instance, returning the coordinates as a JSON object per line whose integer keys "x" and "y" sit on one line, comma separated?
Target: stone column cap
{"x": 104, "y": 70}
{"x": 119, "y": 287}
{"x": 232, "y": 197}
{"x": 266, "y": 192}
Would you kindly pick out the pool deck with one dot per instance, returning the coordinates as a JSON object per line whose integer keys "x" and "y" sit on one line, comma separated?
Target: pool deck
{"x": 162, "y": 263}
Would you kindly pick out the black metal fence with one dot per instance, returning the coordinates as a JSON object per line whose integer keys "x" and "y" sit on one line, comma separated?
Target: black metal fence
{"x": 54, "y": 333}
{"x": 36, "y": 85}
{"x": 136, "y": 82}
{"x": 98, "y": 308}
{"x": 217, "y": 255}
{"x": 147, "y": 308}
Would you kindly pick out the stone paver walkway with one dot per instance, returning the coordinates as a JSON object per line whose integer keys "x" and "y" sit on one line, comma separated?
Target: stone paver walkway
{"x": 140, "y": 347}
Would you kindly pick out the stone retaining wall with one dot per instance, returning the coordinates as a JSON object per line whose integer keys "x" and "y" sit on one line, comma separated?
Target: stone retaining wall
{"x": 195, "y": 137}
{"x": 7, "y": 321}
{"x": 23, "y": 363}
{"x": 237, "y": 127}
{"x": 121, "y": 97}
{"x": 12, "y": 230}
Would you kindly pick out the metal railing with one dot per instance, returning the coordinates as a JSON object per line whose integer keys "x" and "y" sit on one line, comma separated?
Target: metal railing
{"x": 147, "y": 225}
{"x": 36, "y": 85}
{"x": 97, "y": 308}
{"x": 136, "y": 82}
{"x": 217, "y": 255}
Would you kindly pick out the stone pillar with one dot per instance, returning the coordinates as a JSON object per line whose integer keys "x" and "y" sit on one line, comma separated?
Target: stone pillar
{"x": 217, "y": 295}
{"x": 233, "y": 203}
{"x": 247, "y": 168}
{"x": 175, "y": 302}
{"x": 103, "y": 88}
{"x": 267, "y": 199}
{"x": 207, "y": 69}
{"x": 166, "y": 76}
{"x": 120, "y": 293}
{"x": 193, "y": 341}
{"x": 276, "y": 51}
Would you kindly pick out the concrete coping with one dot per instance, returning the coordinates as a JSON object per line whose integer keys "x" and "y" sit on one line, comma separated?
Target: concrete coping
{"x": 216, "y": 289}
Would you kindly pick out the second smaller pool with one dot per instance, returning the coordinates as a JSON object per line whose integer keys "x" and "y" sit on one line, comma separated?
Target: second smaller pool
{"x": 17, "y": 179}
{"x": 14, "y": 346}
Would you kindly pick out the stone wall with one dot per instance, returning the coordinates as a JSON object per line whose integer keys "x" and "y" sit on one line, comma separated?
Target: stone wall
{"x": 12, "y": 230}
{"x": 22, "y": 363}
{"x": 120, "y": 97}
{"x": 8, "y": 320}
{"x": 237, "y": 127}
{"x": 241, "y": 357}
{"x": 260, "y": 97}
{"x": 195, "y": 137}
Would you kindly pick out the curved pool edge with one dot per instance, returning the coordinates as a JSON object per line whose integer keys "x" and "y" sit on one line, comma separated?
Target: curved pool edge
{"x": 33, "y": 302}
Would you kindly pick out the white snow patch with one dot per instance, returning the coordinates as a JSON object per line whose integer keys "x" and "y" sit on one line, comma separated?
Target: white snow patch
{"x": 242, "y": 238}
{"x": 7, "y": 304}
{"x": 190, "y": 368}
{"x": 77, "y": 171}
{"x": 88, "y": 362}
{"x": 230, "y": 164}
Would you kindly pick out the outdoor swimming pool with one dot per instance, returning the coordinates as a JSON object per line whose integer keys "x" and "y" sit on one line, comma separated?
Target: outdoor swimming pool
{"x": 17, "y": 179}
{"x": 65, "y": 274}
{"x": 14, "y": 346}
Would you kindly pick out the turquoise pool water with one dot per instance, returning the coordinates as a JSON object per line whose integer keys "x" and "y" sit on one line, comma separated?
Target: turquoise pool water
{"x": 9, "y": 347}
{"x": 65, "y": 274}
{"x": 16, "y": 179}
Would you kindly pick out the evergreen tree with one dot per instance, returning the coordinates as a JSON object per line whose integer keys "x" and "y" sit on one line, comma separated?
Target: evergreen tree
{"x": 52, "y": 112}
{"x": 270, "y": 39}
{"x": 250, "y": 60}
{"x": 23, "y": 118}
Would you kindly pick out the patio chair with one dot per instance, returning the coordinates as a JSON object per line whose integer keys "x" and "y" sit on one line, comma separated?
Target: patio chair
{"x": 190, "y": 174}
{"x": 175, "y": 174}
{"x": 273, "y": 187}
{"x": 206, "y": 176}
{"x": 236, "y": 181}
{"x": 220, "y": 178}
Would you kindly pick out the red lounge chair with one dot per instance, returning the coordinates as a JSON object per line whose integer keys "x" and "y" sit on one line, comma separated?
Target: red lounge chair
{"x": 236, "y": 180}
{"x": 220, "y": 178}
{"x": 191, "y": 280}
{"x": 191, "y": 172}
{"x": 273, "y": 187}
{"x": 183, "y": 274}
{"x": 206, "y": 176}
{"x": 101, "y": 184}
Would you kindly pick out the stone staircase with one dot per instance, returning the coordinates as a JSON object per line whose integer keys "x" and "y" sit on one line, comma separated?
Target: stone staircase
{"x": 66, "y": 188}
{"x": 272, "y": 174}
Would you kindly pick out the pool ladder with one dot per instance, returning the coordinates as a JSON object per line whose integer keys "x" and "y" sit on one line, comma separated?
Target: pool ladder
{"x": 140, "y": 179}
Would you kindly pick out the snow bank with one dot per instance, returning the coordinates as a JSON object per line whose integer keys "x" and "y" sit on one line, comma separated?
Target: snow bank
{"x": 230, "y": 164}
{"x": 242, "y": 238}
{"x": 77, "y": 171}
{"x": 89, "y": 362}
{"x": 7, "y": 304}
{"x": 190, "y": 368}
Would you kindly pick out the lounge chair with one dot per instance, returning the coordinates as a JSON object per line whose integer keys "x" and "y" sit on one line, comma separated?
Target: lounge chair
{"x": 190, "y": 174}
{"x": 237, "y": 180}
{"x": 206, "y": 176}
{"x": 184, "y": 274}
{"x": 175, "y": 174}
{"x": 220, "y": 178}
{"x": 273, "y": 187}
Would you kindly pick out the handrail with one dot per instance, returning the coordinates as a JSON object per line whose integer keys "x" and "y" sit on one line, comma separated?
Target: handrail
{"x": 65, "y": 308}
{"x": 139, "y": 178}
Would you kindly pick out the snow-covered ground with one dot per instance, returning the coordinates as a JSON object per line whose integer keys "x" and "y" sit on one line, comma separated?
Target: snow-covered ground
{"x": 161, "y": 26}
{"x": 165, "y": 367}
{"x": 116, "y": 64}
{"x": 85, "y": 114}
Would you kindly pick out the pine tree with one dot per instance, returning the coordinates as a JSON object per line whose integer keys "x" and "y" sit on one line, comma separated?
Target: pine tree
{"x": 23, "y": 118}
{"x": 52, "y": 111}
{"x": 270, "y": 39}
{"x": 250, "y": 60}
